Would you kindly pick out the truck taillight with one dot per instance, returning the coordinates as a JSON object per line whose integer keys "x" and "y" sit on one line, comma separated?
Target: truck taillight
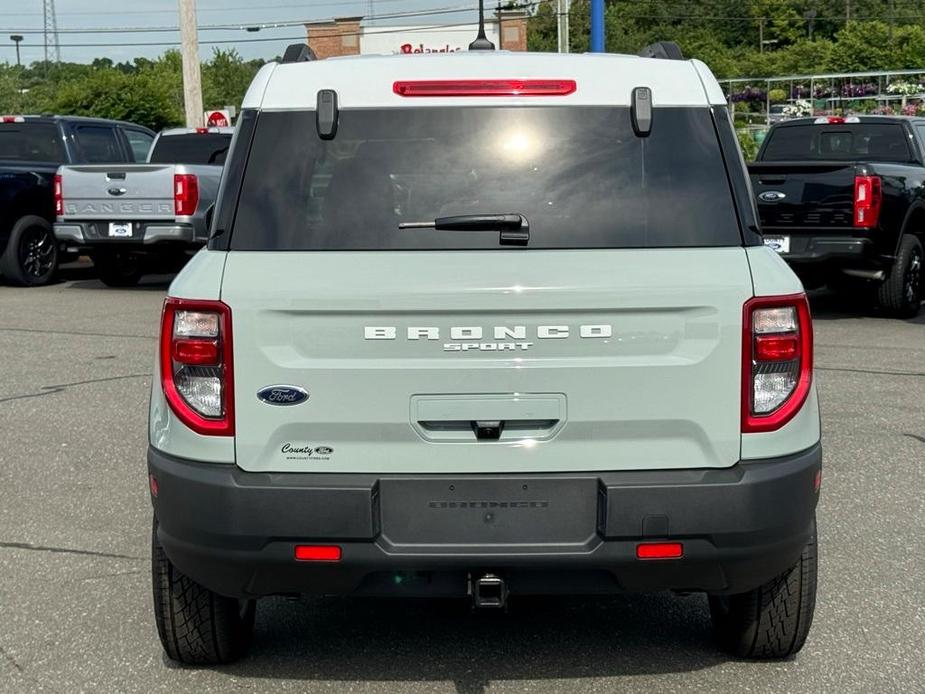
{"x": 59, "y": 196}
{"x": 777, "y": 360}
{"x": 868, "y": 195}
{"x": 196, "y": 365}
{"x": 185, "y": 194}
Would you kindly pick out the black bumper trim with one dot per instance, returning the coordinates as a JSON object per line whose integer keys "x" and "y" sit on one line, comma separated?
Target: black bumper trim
{"x": 234, "y": 531}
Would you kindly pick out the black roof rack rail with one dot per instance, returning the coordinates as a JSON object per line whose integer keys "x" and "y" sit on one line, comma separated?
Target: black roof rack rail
{"x": 666, "y": 50}
{"x": 298, "y": 53}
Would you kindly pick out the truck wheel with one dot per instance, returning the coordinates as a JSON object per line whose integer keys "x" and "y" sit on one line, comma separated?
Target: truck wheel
{"x": 771, "y": 621}
{"x": 31, "y": 255}
{"x": 901, "y": 292}
{"x": 118, "y": 269}
{"x": 195, "y": 625}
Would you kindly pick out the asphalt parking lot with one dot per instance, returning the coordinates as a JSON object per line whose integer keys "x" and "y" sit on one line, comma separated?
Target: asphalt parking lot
{"x": 75, "y": 613}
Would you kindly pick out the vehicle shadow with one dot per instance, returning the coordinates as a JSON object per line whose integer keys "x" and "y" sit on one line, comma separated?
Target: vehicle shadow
{"x": 828, "y": 305}
{"x": 392, "y": 640}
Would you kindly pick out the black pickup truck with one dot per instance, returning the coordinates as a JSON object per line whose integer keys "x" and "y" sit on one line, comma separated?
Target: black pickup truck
{"x": 842, "y": 199}
{"x": 31, "y": 150}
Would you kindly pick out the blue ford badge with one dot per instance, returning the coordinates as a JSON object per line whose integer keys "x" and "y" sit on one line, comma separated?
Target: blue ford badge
{"x": 282, "y": 395}
{"x": 771, "y": 196}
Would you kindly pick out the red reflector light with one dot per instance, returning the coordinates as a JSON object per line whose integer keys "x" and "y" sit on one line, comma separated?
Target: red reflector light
{"x": 868, "y": 195}
{"x": 152, "y": 483}
{"x": 185, "y": 194}
{"x": 660, "y": 550}
{"x": 196, "y": 352}
{"x": 817, "y": 481}
{"x": 317, "y": 553}
{"x": 509, "y": 87}
{"x": 200, "y": 131}
{"x": 59, "y": 196}
{"x": 777, "y": 347}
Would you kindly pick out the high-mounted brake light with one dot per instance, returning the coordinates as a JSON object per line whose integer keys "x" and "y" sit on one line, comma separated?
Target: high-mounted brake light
{"x": 777, "y": 360}
{"x": 868, "y": 196}
{"x": 185, "y": 194}
{"x": 836, "y": 120}
{"x": 59, "y": 196}
{"x": 196, "y": 365}
{"x": 506, "y": 87}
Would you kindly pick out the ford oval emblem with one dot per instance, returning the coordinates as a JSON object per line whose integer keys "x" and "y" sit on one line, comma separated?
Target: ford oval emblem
{"x": 771, "y": 196}
{"x": 282, "y": 395}
{"x": 117, "y": 191}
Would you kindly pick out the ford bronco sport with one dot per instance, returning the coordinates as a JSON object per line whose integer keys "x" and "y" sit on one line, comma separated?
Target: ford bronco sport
{"x": 484, "y": 325}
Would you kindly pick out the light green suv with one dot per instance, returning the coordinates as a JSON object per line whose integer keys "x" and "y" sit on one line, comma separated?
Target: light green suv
{"x": 484, "y": 325}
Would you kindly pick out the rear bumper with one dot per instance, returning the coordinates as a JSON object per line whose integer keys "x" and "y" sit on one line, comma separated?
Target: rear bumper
{"x": 90, "y": 234}
{"x": 807, "y": 248}
{"x": 235, "y": 531}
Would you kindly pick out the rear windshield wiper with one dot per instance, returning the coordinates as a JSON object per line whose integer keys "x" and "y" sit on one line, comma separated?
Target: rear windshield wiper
{"x": 514, "y": 228}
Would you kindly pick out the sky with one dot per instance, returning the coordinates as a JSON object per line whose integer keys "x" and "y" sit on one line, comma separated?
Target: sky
{"x": 25, "y": 17}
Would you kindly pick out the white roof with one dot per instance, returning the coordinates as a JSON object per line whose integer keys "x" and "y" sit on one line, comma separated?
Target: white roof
{"x": 366, "y": 81}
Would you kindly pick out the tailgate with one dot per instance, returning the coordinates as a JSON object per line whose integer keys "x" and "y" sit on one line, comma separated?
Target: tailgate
{"x": 118, "y": 191}
{"x": 584, "y": 360}
{"x": 804, "y": 195}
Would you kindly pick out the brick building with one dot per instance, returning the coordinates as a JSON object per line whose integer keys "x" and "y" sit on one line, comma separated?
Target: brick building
{"x": 349, "y": 36}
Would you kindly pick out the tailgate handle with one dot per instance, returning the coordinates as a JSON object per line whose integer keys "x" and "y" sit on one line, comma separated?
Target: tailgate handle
{"x": 116, "y": 176}
{"x": 771, "y": 180}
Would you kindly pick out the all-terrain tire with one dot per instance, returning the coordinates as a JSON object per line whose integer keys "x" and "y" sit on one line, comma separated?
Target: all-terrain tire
{"x": 197, "y": 626}
{"x": 900, "y": 294}
{"x": 31, "y": 255}
{"x": 773, "y": 620}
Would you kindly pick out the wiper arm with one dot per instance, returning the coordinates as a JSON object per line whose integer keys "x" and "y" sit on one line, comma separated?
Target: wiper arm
{"x": 514, "y": 228}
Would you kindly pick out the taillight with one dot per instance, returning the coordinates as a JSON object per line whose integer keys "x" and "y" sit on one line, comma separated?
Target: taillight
{"x": 185, "y": 194}
{"x": 868, "y": 195}
{"x": 196, "y": 364}
{"x": 12, "y": 119}
{"x": 777, "y": 360}
{"x": 508, "y": 87}
{"x": 59, "y": 196}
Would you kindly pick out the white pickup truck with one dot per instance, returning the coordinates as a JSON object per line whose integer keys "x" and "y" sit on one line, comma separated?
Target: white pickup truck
{"x": 138, "y": 218}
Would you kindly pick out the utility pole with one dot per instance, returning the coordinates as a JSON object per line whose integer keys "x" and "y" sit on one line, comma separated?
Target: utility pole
{"x": 192, "y": 78}
{"x": 761, "y": 35}
{"x": 847, "y": 11}
{"x": 892, "y": 18}
{"x": 562, "y": 9}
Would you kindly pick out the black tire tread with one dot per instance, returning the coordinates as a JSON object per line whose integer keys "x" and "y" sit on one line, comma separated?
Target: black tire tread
{"x": 773, "y": 620}
{"x": 891, "y": 292}
{"x": 196, "y": 626}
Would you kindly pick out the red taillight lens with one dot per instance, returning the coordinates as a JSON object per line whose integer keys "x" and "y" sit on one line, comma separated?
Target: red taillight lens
{"x": 777, "y": 360}
{"x": 868, "y": 196}
{"x": 59, "y": 196}
{"x": 317, "y": 553}
{"x": 196, "y": 364}
{"x": 660, "y": 550}
{"x": 509, "y": 87}
{"x": 185, "y": 194}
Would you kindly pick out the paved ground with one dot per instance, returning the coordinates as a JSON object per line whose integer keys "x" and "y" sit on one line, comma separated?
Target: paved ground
{"x": 75, "y": 611}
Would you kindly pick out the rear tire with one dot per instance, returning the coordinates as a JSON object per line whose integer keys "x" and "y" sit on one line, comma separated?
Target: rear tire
{"x": 197, "y": 626}
{"x": 31, "y": 255}
{"x": 118, "y": 268}
{"x": 901, "y": 292}
{"x": 773, "y": 620}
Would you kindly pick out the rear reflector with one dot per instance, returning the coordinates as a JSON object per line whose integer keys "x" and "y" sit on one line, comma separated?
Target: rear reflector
{"x": 777, "y": 347}
{"x": 510, "y": 87}
{"x": 659, "y": 550}
{"x": 317, "y": 553}
{"x": 196, "y": 352}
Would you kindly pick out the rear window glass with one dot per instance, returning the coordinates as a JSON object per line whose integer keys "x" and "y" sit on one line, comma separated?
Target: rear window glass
{"x": 204, "y": 148}
{"x": 838, "y": 142}
{"x": 31, "y": 142}
{"x": 580, "y": 176}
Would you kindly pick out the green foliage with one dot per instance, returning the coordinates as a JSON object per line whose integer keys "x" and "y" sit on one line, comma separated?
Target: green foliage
{"x": 777, "y": 95}
{"x": 147, "y": 92}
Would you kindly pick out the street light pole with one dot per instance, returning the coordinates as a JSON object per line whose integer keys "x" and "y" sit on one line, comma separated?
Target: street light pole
{"x": 16, "y": 38}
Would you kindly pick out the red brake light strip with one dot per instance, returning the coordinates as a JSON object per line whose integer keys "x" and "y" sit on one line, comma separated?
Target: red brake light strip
{"x": 501, "y": 87}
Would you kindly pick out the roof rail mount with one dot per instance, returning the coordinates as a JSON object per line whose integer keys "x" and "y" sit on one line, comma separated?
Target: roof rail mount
{"x": 298, "y": 53}
{"x": 666, "y": 50}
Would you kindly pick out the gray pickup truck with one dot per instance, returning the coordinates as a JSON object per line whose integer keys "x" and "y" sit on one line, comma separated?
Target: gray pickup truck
{"x": 138, "y": 218}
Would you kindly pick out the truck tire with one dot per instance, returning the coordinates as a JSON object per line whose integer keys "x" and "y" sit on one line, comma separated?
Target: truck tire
{"x": 118, "y": 268}
{"x": 901, "y": 292}
{"x": 771, "y": 621}
{"x": 31, "y": 255}
{"x": 195, "y": 625}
